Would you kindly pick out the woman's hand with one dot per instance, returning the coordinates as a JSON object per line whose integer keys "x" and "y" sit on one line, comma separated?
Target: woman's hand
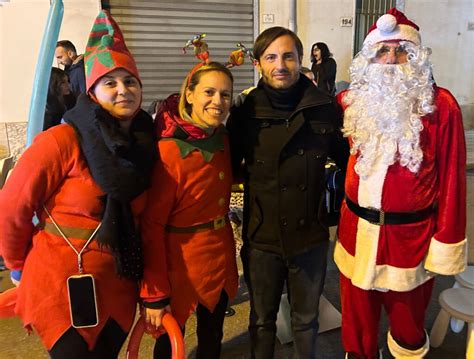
{"x": 153, "y": 317}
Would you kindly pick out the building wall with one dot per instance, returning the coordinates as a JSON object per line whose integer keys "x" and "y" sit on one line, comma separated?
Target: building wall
{"x": 22, "y": 26}
{"x": 320, "y": 21}
{"x": 444, "y": 28}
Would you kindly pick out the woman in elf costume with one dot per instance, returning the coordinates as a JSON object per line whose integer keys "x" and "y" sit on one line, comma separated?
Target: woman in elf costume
{"x": 186, "y": 231}
{"x": 85, "y": 180}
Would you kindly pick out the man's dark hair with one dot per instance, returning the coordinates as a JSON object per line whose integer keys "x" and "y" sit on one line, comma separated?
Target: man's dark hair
{"x": 67, "y": 45}
{"x": 271, "y": 34}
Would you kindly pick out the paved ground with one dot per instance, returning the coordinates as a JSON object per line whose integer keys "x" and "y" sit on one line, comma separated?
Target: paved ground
{"x": 15, "y": 344}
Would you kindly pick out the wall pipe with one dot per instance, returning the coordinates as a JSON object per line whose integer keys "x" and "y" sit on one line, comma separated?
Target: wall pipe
{"x": 292, "y": 16}
{"x": 43, "y": 70}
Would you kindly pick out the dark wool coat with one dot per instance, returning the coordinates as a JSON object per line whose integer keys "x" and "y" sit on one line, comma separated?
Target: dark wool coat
{"x": 284, "y": 161}
{"x": 77, "y": 77}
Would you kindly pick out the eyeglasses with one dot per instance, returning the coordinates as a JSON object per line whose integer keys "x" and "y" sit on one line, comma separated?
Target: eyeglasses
{"x": 385, "y": 50}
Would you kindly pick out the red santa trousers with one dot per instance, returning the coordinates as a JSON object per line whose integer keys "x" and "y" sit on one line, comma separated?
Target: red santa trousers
{"x": 361, "y": 311}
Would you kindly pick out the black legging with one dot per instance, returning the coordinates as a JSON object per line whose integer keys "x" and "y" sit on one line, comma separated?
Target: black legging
{"x": 71, "y": 345}
{"x": 209, "y": 332}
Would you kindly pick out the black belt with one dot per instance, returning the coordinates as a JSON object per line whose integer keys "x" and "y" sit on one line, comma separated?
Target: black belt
{"x": 215, "y": 224}
{"x": 380, "y": 217}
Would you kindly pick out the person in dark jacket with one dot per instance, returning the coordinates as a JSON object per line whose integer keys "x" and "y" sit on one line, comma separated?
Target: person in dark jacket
{"x": 284, "y": 131}
{"x": 66, "y": 55}
{"x": 324, "y": 67}
{"x": 59, "y": 100}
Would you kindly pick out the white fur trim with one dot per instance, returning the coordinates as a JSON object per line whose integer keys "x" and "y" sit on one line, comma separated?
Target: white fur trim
{"x": 369, "y": 195}
{"x": 401, "y": 32}
{"x": 446, "y": 258}
{"x": 380, "y": 277}
{"x": 403, "y": 353}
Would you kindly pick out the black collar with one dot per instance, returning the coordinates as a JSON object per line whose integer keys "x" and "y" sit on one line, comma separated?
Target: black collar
{"x": 257, "y": 104}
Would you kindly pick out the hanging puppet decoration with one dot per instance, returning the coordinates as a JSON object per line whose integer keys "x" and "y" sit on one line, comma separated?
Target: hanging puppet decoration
{"x": 237, "y": 57}
{"x": 200, "y": 47}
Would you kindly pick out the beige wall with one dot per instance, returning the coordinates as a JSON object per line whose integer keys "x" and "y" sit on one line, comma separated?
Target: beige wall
{"x": 319, "y": 21}
{"x": 444, "y": 28}
{"x": 22, "y": 26}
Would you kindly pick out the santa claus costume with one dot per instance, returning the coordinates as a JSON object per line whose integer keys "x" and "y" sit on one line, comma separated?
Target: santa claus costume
{"x": 403, "y": 220}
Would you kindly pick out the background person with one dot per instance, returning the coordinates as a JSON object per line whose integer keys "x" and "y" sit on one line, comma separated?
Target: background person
{"x": 324, "y": 67}
{"x": 91, "y": 171}
{"x": 309, "y": 74}
{"x": 73, "y": 63}
{"x": 59, "y": 99}
{"x": 408, "y": 159}
{"x": 284, "y": 131}
{"x": 186, "y": 229}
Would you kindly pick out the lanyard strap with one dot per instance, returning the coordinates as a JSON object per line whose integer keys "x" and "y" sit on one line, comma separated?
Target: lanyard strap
{"x": 79, "y": 254}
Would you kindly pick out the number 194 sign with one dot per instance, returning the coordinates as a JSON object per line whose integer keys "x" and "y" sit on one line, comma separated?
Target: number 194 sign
{"x": 346, "y": 21}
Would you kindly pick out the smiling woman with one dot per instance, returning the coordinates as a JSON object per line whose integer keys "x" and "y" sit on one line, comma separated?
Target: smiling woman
{"x": 188, "y": 243}
{"x": 120, "y": 94}
{"x": 210, "y": 100}
{"x": 85, "y": 180}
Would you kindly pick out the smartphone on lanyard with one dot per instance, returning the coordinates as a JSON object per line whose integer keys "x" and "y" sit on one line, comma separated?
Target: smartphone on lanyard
{"x": 82, "y": 301}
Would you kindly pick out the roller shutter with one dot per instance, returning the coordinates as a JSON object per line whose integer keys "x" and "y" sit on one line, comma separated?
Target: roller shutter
{"x": 156, "y": 31}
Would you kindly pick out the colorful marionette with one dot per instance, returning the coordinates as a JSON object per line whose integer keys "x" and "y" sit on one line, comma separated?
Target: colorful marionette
{"x": 237, "y": 57}
{"x": 200, "y": 47}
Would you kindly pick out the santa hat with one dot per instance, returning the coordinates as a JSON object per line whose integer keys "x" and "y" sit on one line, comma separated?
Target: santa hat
{"x": 106, "y": 50}
{"x": 393, "y": 26}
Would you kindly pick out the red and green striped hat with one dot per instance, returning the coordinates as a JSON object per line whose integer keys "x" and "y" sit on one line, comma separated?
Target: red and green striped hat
{"x": 106, "y": 50}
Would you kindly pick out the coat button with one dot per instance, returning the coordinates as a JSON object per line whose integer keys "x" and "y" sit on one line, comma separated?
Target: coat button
{"x": 300, "y": 152}
{"x": 283, "y": 222}
{"x": 221, "y": 202}
{"x": 302, "y": 187}
{"x": 302, "y": 222}
{"x": 221, "y": 175}
{"x": 283, "y": 188}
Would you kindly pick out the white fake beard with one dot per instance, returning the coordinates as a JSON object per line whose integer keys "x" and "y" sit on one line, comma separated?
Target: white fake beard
{"x": 386, "y": 103}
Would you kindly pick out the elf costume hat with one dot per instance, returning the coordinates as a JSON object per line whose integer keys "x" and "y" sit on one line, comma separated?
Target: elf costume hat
{"x": 106, "y": 50}
{"x": 393, "y": 26}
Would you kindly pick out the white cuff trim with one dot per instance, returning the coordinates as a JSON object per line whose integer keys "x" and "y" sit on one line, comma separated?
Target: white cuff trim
{"x": 403, "y": 353}
{"x": 380, "y": 277}
{"x": 446, "y": 258}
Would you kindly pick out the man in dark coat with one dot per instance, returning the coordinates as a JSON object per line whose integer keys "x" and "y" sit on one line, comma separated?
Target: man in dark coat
{"x": 284, "y": 131}
{"x": 66, "y": 55}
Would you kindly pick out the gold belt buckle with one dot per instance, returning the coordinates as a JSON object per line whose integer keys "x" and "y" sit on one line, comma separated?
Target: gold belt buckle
{"x": 381, "y": 220}
{"x": 219, "y": 222}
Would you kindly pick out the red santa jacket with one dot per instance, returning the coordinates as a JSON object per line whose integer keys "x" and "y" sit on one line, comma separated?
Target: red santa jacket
{"x": 401, "y": 257}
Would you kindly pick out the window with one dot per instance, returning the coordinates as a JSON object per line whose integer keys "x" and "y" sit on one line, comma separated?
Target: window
{"x": 367, "y": 12}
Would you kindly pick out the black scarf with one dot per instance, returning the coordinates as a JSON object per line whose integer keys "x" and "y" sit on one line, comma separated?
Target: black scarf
{"x": 121, "y": 165}
{"x": 285, "y": 99}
